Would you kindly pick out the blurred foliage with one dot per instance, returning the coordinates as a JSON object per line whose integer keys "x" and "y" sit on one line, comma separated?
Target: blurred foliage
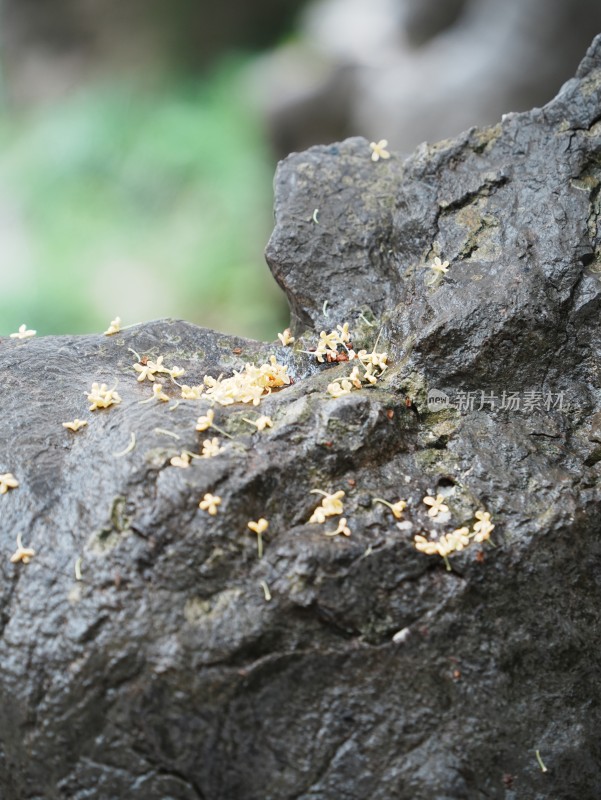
{"x": 142, "y": 205}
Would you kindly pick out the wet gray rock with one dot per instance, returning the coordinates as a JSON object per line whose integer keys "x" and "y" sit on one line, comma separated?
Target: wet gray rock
{"x": 165, "y": 672}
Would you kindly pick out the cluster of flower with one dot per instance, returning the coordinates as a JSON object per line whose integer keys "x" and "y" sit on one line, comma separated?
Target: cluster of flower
{"x": 337, "y": 346}
{"x": 327, "y": 347}
{"x": 248, "y": 386}
{"x": 330, "y": 506}
{"x": 101, "y": 396}
{"x": 456, "y": 540}
{"x": 373, "y": 365}
{"x": 148, "y": 369}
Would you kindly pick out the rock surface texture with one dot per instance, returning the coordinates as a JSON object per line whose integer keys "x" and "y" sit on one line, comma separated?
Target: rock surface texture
{"x": 139, "y": 655}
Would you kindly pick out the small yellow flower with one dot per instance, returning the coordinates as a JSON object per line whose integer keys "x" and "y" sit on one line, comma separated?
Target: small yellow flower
{"x": 210, "y": 448}
{"x": 176, "y": 372}
{"x": 7, "y": 481}
{"x": 327, "y": 345}
{"x": 192, "y": 392}
{"x": 484, "y": 527}
{"x": 379, "y": 360}
{"x": 264, "y": 422}
{"x": 344, "y": 333}
{"x": 330, "y": 506}
{"x": 157, "y": 366}
{"x": 102, "y": 397}
{"x": 23, "y": 333}
{"x": 455, "y": 541}
{"x": 340, "y": 388}
{"x": 114, "y": 327}
{"x": 369, "y": 375}
{"x": 355, "y": 378}
{"x": 259, "y": 527}
{"x": 425, "y": 545}
{"x": 439, "y": 267}
{"x": 437, "y": 505}
{"x": 158, "y": 393}
{"x": 452, "y": 542}
{"x": 209, "y": 503}
{"x": 24, "y": 554}
{"x": 149, "y": 370}
{"x": 182, "y": 461}
{"x": 75, "y": 425}
{"x": 378, "y": 150}
{"x": 146, "y": 371}
{"x": 342, "y": 528}
{"x": 249, "y": 385}
{"x": 285, "y": 337}
{"x": 329, "y": 341}
{"x": 203, "y": 423}
{"x": 396, "y": 508}
{"x": 260, "y": 423}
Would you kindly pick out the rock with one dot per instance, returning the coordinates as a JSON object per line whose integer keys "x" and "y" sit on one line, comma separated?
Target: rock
{"x": 166, "y": 671}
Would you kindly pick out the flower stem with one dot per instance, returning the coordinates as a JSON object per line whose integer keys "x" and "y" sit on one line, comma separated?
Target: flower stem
{"x": 381, "y": 500}
{"x": 229, "y": 436}
{"x": 540, "y": 762}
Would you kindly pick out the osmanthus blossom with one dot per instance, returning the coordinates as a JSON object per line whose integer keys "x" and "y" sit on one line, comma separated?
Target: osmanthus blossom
{"x": 148, "y": 369}
{"x": 159, "y": 394}
{"x": 445, "y": 545}
{"x": 211, "y": 448}
{"x": 249, "y": 385}
{"x": 192, "y": 392}
{"x": 7, "y": 481}
{"x": 101, "y": 396}
{"x": 484, "y": 527}
{"x": 341, "y": 529}
{"x": 22, "y": 554}
{"x": 437, "y": 505}
{"x": 340, "y": 388}
{"x": 114, "y": 327}
{"x": 285, "y": 337}
{"x": 205, "y": 421}
{"x": 23, "y": 333}
{"x": 259, "y": 527}
{"x": 260, "y": 423}
{"x": 330, "y": 506}
{"x": 75, "y": 425}
{"x": 379, "y": 150}
{"x": 182, "y": 461}
{"x": 396, "y": 508}
{"x": 209, "y": 503}
{"x": 439, "y": 267}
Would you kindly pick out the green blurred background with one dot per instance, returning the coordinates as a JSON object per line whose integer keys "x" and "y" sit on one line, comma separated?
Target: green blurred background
{"x": 138, "y": 138}
{"x": 140, "y": 192}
